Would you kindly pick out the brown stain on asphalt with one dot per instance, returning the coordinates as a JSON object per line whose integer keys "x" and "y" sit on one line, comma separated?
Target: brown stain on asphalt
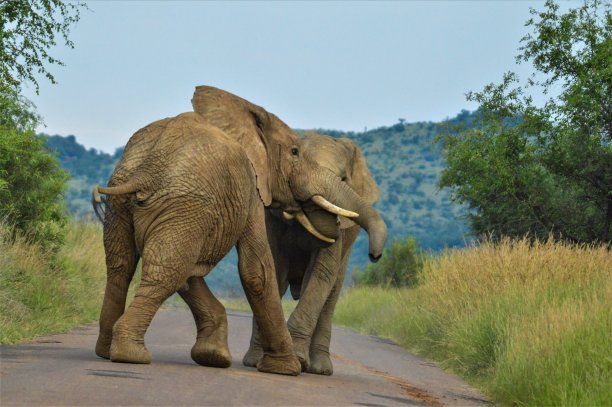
{"x": 409, "y": 389}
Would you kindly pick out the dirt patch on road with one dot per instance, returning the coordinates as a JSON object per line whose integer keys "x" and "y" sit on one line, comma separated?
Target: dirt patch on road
{"x": 410, "y": 390}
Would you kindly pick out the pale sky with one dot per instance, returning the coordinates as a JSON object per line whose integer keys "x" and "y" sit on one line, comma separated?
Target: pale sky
{"x": 339, "y": 65}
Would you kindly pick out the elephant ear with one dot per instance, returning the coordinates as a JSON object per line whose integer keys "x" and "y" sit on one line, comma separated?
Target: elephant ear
{"x": 243, "y": 122}
{"x": 360, "y": 178}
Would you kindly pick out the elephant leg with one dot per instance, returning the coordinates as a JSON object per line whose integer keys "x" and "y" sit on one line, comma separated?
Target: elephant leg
{"x": 281, "y": 263}
{"x": 320, "y": 362}
{"x": 211, "y": 348}
{"x": 121, "y": 261}
{"x": 303, "y": 320}
{"x": 167, "y": 262}
{"x": 255, "y": 351}
{"x": 258, "y": 276}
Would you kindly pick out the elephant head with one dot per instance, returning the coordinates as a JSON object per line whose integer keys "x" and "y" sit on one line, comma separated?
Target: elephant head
{"x": 344, "y": 161}
{"x": 287, "y": 178}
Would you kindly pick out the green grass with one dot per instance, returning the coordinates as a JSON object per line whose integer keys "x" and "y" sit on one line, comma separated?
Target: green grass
{"x": 530, "y": 325}
{"x": 241, "y": 304}
{"x": 40, "y": 294}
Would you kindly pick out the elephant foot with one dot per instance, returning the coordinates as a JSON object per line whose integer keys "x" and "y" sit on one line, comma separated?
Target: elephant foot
{"x": 252, "y": 356}
{"x": 286, "y": 365}
{"x": 301, "y": 351}
{"x": 210, "y": 354}
{"x": 320, "y": 363}
{"x": 103, "y": 346}
{"x": 126, "y": 351}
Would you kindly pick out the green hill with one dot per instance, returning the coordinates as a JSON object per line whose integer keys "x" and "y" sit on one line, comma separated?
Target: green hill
{"x": 403, "y": 158}
{"x": 86, "y": 167}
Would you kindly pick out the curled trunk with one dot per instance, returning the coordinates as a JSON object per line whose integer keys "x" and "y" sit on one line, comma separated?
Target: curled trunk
{"x": 330, "y": 187}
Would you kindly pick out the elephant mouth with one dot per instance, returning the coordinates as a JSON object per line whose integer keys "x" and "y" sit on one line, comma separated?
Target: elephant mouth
{"x": 320, "y": 218}
{"x": 302, "y": 218}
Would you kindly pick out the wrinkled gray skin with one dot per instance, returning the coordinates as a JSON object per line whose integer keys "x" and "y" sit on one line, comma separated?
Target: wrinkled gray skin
{"x": 185, "y": 191}
{"x": 315, "y": 271}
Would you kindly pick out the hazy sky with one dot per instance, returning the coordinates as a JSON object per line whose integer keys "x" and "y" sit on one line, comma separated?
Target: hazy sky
{"x": 339, "y": 65}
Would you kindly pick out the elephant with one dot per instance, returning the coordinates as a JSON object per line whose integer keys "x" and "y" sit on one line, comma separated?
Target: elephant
{"x": 185, "y": 191}
{"x": 314, "y": 271}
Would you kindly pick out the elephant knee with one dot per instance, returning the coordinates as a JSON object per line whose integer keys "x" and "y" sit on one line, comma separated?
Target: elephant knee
{"x": 326, "y": 274}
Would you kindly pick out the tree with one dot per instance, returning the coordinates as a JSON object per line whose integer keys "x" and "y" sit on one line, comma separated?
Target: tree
{"x": 16, "y": 111}
{"x": 31, "y": 180}
{"x": 524, "y": 169}
{"x": 28, "y": 29}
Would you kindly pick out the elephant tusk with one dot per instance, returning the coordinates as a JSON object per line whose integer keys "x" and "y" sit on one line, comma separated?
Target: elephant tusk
{"x": 288, "y": 216}
{"x": 96, "y": 195}
{"x": 303, "y": 219}
{"x": 330, "y": 207}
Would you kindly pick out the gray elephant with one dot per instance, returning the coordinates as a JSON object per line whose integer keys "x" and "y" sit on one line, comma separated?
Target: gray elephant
{"x": 186, "y": 190}
{"x": 312, "y": 268}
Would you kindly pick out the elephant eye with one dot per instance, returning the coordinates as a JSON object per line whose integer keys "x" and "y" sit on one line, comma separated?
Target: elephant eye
{"x": 343, "y": 179}
{"x": 295, "y": 151}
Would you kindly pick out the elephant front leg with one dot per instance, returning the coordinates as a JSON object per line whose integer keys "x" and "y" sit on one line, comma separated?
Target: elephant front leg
{"x": 211, "y": 347}
{"x": 257, "y": 274}
{"x": 321, "y": 280}
{"x": 320, "y": 362}
{"x": 255, "y": 352}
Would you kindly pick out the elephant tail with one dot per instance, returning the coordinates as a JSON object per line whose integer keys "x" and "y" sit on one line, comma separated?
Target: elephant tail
{"x": 99, "y": 203}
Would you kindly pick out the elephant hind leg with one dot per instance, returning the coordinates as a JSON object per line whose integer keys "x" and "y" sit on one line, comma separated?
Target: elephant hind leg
{"x": 320, "y": 362}
{"x": 211, "y": 348}
{"x": 121, "y": 260}
{"x": 166, "y": 266}
{"x": 128, "y": 333}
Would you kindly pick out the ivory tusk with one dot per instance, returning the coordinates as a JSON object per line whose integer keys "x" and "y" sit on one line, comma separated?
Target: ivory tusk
{"x": 303, "y": 219}
{"x": 96, "y": 195}
{"x": 288, "y": 216}
{"x": 330, "y": 207}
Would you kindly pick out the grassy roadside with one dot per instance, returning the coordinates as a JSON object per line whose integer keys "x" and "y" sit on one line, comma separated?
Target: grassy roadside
{"x": 530, "y": 325}
{"x": 40, "y": 294}
{"x": 241, "y": 304}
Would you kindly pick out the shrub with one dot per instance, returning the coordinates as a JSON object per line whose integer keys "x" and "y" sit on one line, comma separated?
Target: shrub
{"x": 31, "y": 187}
{"x": 399, "y": 267}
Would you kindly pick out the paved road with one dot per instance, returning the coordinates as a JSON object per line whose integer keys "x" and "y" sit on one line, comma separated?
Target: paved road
{"x": 368, "y": 371}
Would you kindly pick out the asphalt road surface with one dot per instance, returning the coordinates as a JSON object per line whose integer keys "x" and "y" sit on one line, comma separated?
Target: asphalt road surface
{"x": 368, "y": 371}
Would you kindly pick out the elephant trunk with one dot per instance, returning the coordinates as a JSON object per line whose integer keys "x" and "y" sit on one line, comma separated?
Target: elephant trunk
{"x": 338, "y": 193}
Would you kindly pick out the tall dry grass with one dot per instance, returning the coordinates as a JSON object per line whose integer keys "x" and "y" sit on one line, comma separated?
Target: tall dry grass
{"x": 42, "y": 293}
{"x": 529, "y": 323}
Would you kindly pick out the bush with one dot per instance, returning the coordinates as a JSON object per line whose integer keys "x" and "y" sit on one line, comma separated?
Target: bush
{"x": 399, "y": 267}
{"x": 31, "y": 187}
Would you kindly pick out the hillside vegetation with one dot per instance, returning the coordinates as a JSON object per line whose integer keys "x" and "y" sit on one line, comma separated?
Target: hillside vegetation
{"x": 528, "y": 323}
{"x": 86, "y": 168}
